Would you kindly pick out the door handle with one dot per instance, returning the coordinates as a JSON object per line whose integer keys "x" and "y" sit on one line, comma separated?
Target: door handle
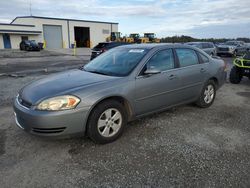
{"x": 202, "y": 70}
{"x": 172, "y": 76}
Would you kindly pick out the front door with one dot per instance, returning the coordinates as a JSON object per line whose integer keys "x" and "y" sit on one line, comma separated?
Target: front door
{"x": 6, "y": 41}
{"x": 156, "y": 91}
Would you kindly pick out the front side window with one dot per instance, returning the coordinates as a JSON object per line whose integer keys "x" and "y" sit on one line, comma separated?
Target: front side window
{"x": 162, "y": 61}
{"x": 187, "y": 57}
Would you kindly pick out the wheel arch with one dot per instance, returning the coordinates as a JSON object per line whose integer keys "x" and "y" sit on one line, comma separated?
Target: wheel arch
{"x": 216, "y": 81}
{"x": 121, "y": 99}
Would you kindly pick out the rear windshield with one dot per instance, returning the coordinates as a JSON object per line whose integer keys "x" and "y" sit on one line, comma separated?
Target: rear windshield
{"x": 101, "y": 45}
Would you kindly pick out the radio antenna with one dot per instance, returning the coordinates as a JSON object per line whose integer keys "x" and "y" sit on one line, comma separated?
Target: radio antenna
{"x": 30, "y": 8}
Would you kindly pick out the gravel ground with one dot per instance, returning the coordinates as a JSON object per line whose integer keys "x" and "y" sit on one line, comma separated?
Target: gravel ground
{"x": 182, "y": 147}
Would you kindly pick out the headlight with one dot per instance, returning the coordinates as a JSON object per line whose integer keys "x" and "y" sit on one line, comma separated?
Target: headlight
{"x": 65, "y": 102}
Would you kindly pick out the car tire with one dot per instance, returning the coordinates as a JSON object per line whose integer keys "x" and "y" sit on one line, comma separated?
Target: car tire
{"x": 103, "y": 125}
{"x": 207, "y": 95}
{"x": 235, "y": 75}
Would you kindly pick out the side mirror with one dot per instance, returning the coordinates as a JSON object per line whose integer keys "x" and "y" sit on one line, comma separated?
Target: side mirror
{"x": 152, "y": 71}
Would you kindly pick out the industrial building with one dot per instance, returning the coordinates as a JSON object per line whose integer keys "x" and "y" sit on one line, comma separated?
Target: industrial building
{"x": 54, "y": 32}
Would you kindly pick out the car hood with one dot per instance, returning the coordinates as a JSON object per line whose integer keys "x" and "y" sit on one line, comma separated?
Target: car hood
{"x": 226, "y": 46}
{"x": 59, "y": 84}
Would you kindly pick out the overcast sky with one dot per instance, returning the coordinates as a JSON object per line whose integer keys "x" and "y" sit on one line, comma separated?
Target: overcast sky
{"x": 197, "y": 18}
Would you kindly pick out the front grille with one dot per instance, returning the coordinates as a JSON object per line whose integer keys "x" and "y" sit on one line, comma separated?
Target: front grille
{"x": 223, "y": 49}
{"x": 48, "y": 130}
{"x": 24, "y": 103}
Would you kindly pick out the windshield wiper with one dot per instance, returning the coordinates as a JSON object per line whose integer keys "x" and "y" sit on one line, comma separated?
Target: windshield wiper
{"x": 97, "y": 72}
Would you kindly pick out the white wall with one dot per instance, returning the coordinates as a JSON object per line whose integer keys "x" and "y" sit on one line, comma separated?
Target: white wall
{"x": 39, "y": 26}
{"x": 15, "y": 41}
{"x": 17, "y": 28}
{"x": 96, "y": 29}
{"x": 1, "y": 41}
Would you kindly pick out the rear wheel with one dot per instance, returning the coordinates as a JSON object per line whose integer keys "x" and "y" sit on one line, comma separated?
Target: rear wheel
{"x": 107, "y": 122}
{"x": 235, "y": 75}
{"x": 207, "y": 96}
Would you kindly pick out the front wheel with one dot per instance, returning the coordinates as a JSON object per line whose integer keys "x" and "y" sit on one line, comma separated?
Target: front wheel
{"x": 235, "y": 75}
{"x": 106, "y": 122}
{"x": 207, "y": 96}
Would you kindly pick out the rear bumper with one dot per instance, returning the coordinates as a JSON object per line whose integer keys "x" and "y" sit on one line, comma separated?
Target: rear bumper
{"x": 52, "y": 124}
{"x": 222, "y": 79}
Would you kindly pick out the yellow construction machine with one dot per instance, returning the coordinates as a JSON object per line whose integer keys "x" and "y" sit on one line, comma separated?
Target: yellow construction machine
{"x": 150, "y": 38}
{"x": 114, "y": 37}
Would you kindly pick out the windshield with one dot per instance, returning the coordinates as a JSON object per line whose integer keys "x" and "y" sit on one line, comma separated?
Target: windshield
{"x": 231, "y": 43}
{"x": 116, "y": 62}
{"x": 31, "y": 42}
{"x": 197, "y": 45}
{"x": 149, "y": 35}
{"x": 134, "y": 35}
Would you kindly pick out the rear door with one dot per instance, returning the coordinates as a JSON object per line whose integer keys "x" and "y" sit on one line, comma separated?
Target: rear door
{"x": 156, "y": 91}
{"x": 193, "y": 73}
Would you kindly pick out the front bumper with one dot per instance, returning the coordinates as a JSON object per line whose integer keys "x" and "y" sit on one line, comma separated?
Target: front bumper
{"x": 48, "y": 123}
{"x": 225, "y": 52}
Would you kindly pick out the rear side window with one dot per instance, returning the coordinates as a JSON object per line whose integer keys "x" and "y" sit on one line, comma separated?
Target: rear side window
{"x": 162, "y": 60}
{"x": 187, "y": 57}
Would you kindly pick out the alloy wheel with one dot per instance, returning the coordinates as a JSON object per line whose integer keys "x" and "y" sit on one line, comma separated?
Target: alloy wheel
{"x": 110, "y": 122}
{"x": 209, "y": 94}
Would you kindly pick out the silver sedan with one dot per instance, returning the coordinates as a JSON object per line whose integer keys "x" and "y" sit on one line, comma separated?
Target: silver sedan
{"x": 121, "y": 85}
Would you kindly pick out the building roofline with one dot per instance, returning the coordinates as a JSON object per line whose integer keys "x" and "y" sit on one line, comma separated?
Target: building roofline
{"x": 17, "y": 25}
{"x": 19, "y": 31}
{"x": 64, "y": 19}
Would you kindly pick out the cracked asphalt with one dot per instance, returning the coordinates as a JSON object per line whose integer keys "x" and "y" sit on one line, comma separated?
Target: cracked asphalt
{"x": 183, "y": 147}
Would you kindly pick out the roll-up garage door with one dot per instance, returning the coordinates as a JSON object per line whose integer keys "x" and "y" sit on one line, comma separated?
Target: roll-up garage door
{"x": 53, "y": 36}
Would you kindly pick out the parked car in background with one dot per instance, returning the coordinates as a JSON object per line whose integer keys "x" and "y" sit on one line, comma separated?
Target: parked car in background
{"x": 123, "y": 84}
{"x": 103, "y": 47}
{"x": 29, "y": 45}
{"x": 232, "y": 48}
{"x": 207, "y": 47}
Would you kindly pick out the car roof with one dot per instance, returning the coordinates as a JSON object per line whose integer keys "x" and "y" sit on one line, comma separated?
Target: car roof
{"x": 154, "y": 45}
{"x": 197, "y": 42}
